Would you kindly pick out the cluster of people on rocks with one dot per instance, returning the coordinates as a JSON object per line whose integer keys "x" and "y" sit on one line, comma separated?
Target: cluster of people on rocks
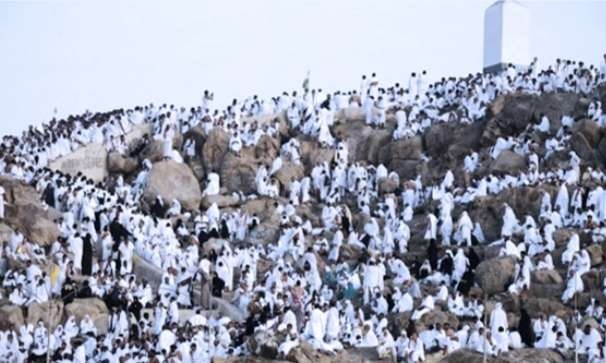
{"x": 355, "y": 272}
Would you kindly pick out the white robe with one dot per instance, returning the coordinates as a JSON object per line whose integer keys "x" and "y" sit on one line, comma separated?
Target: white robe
{"x": 213, "y": 187}
{"x": 498, "y": 318}
{"x": 574, "y": 285}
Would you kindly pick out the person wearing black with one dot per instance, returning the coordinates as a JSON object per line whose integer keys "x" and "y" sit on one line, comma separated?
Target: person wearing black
{"x": 158, "y": 209}
{"x": 474, "y": 259}
{"x": 135, "y": 308}
{"x": 204, "y": 236}
{"x": 85, "y": 291}
{"x": 217, "y": 286}
{"x": 446, "y": 264}
{"x": 87, "y": 255}
{"x": 68, "y": 291}
{"x": 49, "y": 194}
{"x": 432, "y": 254}
{"x": 345, "y": 225}
{"x": 224, "y": 229}
{"x": 118, "y": 231}
{"x": 467, "y": 282}
{"x": 525, "y": 328}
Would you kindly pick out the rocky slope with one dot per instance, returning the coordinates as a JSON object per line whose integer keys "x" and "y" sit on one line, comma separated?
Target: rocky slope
{"x": 440, "y": 148}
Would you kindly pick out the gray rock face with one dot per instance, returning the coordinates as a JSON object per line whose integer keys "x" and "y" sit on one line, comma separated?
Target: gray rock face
{"x": 11, "y": 316}
{"x": 515, "y": 356}
{"x": 90, "y": 160}
{"x": 289, "y": 172}
{"x": 153, "y": 151}
{"x": 214, "y": 149}
{"x": 508, "y": 162}
{"x": 120, "y": 164}
{"x": 581, "y": 146}
{"x": 546, "y": 277}
{"x": 51, "y": 313}
{"x": 590, "y": 130}
{"x": 495, "y": 274}
{"x": 93, "y": 307}
{"x": 147, "y": 271}
{"x": 26, "y": 213}
{"x": 238, "y": 173}
{"x": 171, "y": 180}
{"x": 267, "y": 148}
{"x": 512, "y": 113}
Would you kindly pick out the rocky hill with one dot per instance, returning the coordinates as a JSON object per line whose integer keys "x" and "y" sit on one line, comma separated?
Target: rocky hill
{"x": 426, "y": 158}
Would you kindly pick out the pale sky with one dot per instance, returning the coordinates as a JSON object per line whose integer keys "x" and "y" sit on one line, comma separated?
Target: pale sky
{"x": 100, "y": 55}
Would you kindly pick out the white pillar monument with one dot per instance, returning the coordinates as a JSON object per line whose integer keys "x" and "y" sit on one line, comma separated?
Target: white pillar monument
{"x": 506, "y": 35}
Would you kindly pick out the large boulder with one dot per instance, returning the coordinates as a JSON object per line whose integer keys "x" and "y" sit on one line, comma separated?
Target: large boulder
{"x": 596, "y": 254}
{"x": 592, "y": 281}
{"x": 90, "y": 160}
{"x": 117, "y": 163}
{"x": 145, "y": 270}
{"x": 581, "y": 146}
{"x": 5, "y": 232}
{"x": 313, "y": 154}
{"x": 264, "y": 208}
{"x": 508, "y": 162}
{"x": 529, "y": 355}
{"x": 289, "y": 172}
{"x": 267, "y": 148}
{"x": 437, "y": 316}
{"x": 93, "y": 307}
{"x": 589, "y": 129}
{"x": 488, "y": 211}
{"x": 404, "y": 149}
{"x": 50, "y": 312}
{"x": 171, "y": 180}
{"x": 372, "y": 149}
{"x": 364, "y": 143}
{"x": 404, "y": 157}
{"x": 554, "y": 105}
{"x": 561, "y": 236}
{"x": 264, "y": 233}
{"x": 388, "y": 185}
{"x": 350, "y": 114}
{"x": 546, "y": 277}
{"x": 11, "y": 316}
{"x": 494, "y": 275}
{"x": 36, "y": 223}
{"x": 153, "y": 151}
{"x": 227, "y": 309}
{"x": 26, "y": 213}
{"x": 546, "y": 291}
{"x": 512, "y": 113}
{"x": 466, "y": 139}
{"x": 526, "y": 355}
{"x": 196, "y": 134}
{"x": 238, "y": 173}
{"x": 215, "y": 148}
{"x": 438, "y": 137}
{"x": 305, "y": 353}
{"x": 250, "y": 359}
{"x": 535, "y": 306}
{"x": 137, "y": 133}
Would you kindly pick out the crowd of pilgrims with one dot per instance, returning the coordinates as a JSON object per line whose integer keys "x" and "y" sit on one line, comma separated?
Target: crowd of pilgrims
{"x": 333, "y": 307}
